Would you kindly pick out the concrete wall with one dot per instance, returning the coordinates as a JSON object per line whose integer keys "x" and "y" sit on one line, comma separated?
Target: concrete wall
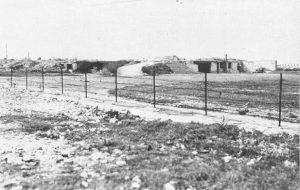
{"x": 192, "y": 66}
{"x": 234, "y": 67}
{"x": 74, "y": 65}
{"x": 213, "y": 67}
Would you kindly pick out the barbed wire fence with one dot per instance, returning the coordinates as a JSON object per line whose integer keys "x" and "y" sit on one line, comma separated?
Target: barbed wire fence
{"x": 204, "y": 93}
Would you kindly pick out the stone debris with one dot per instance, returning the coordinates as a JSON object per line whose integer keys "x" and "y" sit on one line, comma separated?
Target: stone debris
{"x": 85, "y": 184}
{"x": 136, "y": 183}
{"x": 227, "y": 158}
{"x": 170, "y": 186}
{"x": 120, "y": 163}
{"x": 117, "y": 151}
{"x": 289, "y": 164}
{"x": 113, "y": 120}
{"x": 251, "y": 162}
{"x": 99, "y": 155}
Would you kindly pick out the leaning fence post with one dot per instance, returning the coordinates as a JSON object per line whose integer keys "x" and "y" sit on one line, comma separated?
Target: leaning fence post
{"x": 205, "y": 93}
{"x": 11, "y": 75}
{"x": 280, "y": 95}
{"x": 116, "y": 85}
{"x": 154, "y": 101}
{"x": 26, "y": 78}
{"x": 62, "y": 81}
{"x": 85, "y": 84}
{"x": 43, "y": 79}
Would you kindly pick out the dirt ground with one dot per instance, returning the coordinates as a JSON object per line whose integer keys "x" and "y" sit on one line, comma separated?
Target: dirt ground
{"x": 53, "y": 141}
{"x": 255, "y": 95}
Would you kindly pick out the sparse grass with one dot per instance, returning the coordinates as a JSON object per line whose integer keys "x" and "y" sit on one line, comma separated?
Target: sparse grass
{"x": 226, "y": 96}
{"x": 191, "y": 155}
{"x": 35, "y": 122}
{"x": 62, "y": 181}
{"x": 161, "y": 151}
{"x": 226, "y": 92}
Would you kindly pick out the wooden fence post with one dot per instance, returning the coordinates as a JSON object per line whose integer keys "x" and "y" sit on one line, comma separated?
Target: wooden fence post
{"x": 26, "y": 78}
{"x": 205, "y": 83}
{"x": 154, "y": 93}
{"x": 280, "y": 96}
{"x": 116, "y": 85}
{"x": 85, "y": 84}
{"x": 62, "y": 80}
{"x": 11, "y": 76}
{"x": 43, "y": 79}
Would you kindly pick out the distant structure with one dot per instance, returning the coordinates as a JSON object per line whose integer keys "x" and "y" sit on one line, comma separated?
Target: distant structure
{"x": 253, "y": 66}
{"x": 218, "y": 65}
{"x": 295, "y": 66}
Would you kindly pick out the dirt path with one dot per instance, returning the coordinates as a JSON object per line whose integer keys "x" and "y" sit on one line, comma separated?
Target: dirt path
{"x": 146, "y": 110}
{"x": 103, "y": 100}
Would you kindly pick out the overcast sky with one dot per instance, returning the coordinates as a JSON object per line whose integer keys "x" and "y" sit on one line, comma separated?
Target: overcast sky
{"x": 116, "y": 29}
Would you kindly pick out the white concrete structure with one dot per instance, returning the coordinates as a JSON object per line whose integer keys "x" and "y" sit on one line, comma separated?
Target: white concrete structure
{"x": 251, "y": 66}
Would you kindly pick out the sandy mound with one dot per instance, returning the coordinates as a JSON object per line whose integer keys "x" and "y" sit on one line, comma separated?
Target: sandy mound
{"x": 134, "y": 69}
{"x": 177, "y": 65}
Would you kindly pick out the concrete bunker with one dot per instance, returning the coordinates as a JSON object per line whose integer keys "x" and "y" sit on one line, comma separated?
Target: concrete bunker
{"x": 219, "y": 66}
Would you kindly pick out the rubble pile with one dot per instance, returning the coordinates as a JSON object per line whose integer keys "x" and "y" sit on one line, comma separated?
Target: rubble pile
{"x": 53, "y": 142}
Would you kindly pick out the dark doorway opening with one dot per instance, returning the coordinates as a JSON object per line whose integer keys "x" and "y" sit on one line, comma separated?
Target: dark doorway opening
{"x": 204, "y": 67}
{"x": 69, "y": 66}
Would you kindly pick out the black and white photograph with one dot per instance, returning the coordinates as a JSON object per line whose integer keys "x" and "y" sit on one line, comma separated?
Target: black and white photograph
{"x": 149, "y": 94}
